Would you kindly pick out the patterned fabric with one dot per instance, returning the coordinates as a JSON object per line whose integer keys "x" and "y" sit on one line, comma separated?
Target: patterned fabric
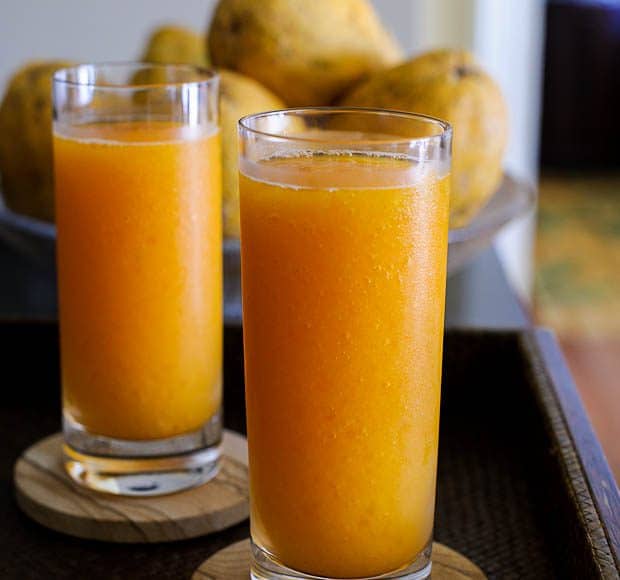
{"x": 577, "y": 290}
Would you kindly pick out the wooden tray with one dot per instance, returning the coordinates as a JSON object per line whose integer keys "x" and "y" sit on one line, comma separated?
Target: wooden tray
{"x": 524, "y": 490}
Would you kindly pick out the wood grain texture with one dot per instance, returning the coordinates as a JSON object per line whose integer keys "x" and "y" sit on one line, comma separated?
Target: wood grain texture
{"x": 46, "y": 493}
{"x": 595, "y": 366}
{"x": 233, "y": 563}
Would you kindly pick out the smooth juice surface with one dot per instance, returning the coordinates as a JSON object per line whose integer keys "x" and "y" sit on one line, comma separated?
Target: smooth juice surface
{"x": 343, "y": 273}
{"x": 138, "y": 210}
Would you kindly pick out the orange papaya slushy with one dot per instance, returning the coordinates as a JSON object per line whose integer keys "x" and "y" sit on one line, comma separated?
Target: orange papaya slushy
{"x": 344, "y": 273}
{"x": 138, "y": 211}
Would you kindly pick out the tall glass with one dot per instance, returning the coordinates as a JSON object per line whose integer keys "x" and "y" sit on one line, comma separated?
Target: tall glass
{"x": 344, "y": 225}
{"x": 138, "y": 211}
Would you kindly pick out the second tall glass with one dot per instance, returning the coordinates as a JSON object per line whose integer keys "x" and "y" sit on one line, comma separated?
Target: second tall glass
{"x": 344, "y": 225}
{"x": 138, "y": 211}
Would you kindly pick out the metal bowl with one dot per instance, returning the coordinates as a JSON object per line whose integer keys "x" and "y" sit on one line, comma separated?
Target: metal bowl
{"x": 35, "y": 239}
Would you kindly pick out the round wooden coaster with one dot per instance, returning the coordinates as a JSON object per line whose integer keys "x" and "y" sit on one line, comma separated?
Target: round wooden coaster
{"x": 233, "y": 563}
{"x": 46, "y": 493}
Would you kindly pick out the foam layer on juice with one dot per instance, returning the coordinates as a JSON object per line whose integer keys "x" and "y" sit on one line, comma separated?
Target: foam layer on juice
{"x": 135, "y": 133}
{"x": 340, "y": 169}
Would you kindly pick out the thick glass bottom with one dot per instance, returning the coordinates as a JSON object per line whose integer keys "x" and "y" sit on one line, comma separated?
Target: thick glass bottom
{"x": 141, "y": 468}
{"x": 266, "y": 567}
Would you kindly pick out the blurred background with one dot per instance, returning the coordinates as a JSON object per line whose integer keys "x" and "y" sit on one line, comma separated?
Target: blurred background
{"x": 558, "y": 65}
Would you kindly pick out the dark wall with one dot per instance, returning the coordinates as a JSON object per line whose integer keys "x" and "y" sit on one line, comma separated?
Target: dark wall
{"x": 581, "y": 103}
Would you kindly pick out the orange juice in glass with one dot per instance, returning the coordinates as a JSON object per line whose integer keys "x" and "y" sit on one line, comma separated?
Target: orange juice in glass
{"x": 344, "y": 225}
{"x": 138, "y": 212}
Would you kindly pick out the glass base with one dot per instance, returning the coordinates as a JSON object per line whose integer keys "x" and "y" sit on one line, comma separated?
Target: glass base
{"x": 141, "y": 468}
{"x": 266, "y": 567}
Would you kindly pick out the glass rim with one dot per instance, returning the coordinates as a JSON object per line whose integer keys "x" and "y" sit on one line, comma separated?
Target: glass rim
{"x": 60, "y": 77}
{"x": 445, "y": 127}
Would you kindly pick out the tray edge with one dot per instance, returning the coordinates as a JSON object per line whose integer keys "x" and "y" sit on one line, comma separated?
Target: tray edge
{"x": 596, "y": 500}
